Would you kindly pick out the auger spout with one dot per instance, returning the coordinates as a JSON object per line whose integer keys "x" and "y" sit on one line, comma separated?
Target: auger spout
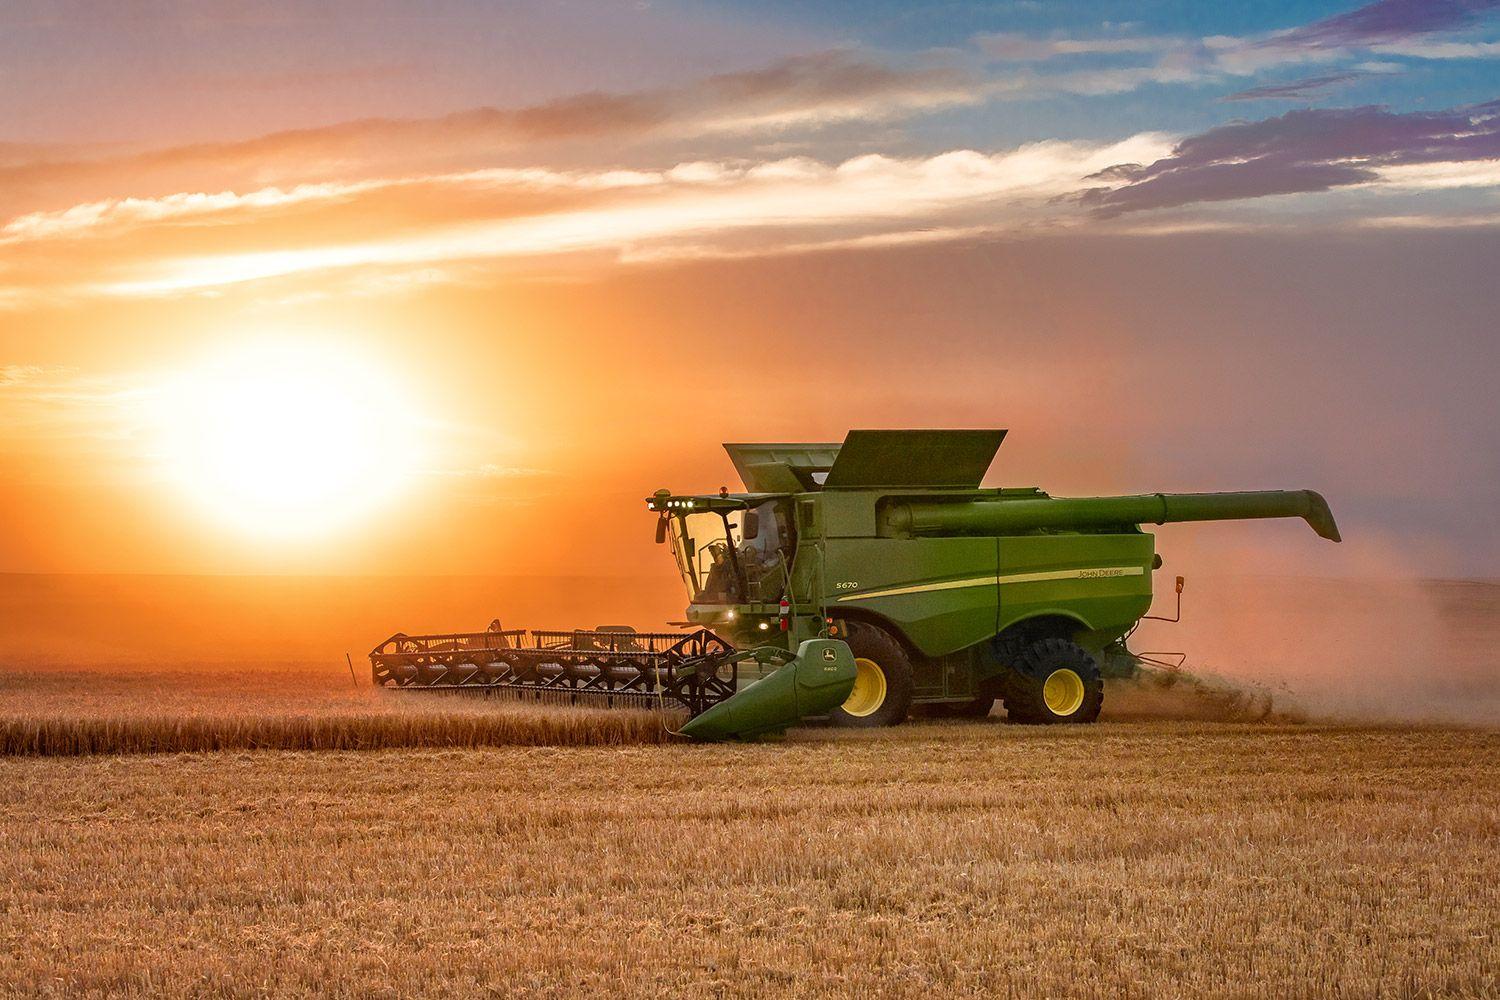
{"x": 1004, "y": 515}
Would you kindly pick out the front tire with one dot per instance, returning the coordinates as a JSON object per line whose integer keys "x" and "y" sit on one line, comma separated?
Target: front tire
{"x": 883, "y": 683}
{"x": 1054, "y": 681}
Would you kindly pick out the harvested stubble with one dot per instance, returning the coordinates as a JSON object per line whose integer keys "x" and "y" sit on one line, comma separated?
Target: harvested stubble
{"x": 1145, "y": 860}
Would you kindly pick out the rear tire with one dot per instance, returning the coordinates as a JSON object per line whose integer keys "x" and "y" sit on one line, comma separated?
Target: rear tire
{"x": 1054, "y": 681}
{"x": 883, "y": 687}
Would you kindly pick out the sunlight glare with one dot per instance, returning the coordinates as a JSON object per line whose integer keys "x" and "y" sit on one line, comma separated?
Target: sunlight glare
{"x": 288, "y": 438}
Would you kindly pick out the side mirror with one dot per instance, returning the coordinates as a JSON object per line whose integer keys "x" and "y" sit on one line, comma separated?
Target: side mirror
{"x": 1180, "y": 582}
{"x": 750, "y": 525}
{"x": 661, "y": 529}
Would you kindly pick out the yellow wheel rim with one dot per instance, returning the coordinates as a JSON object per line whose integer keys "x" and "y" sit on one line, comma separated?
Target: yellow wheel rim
{"x": 1063, "y": 692}
{"x": 869, "y": 688}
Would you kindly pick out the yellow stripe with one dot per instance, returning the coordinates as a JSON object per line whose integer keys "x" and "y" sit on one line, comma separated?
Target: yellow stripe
{"x": 1089, "y": 573}
{"x": 982, "y": 581}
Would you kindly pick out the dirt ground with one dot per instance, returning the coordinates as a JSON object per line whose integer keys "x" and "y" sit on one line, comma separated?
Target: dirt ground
{"x": 1125, "y": 859}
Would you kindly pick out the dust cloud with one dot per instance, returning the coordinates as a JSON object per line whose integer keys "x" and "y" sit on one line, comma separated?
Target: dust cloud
{"x": 1306, "y": 648}
{"x": 1257, "y": 647}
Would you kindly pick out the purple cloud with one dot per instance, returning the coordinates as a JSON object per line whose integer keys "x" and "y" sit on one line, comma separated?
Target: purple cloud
{"x": 1385, "y": 21}
{"x": 1301, "y": 151}
{"x": 1296, "y": 90}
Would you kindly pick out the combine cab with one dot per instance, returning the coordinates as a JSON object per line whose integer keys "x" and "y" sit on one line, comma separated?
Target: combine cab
{"x": 857, "y": 581}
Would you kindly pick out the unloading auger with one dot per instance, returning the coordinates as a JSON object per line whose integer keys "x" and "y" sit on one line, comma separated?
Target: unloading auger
{"x": 854, "y": 581}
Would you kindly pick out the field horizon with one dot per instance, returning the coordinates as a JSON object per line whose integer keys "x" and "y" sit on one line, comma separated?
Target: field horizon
{"x": 1327, "y": 648}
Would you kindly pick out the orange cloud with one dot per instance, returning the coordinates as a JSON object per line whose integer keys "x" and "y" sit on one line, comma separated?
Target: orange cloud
{"x": 186, "y": 242}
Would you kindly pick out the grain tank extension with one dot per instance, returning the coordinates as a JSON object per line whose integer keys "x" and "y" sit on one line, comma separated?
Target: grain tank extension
{"x": 913, "y": 585}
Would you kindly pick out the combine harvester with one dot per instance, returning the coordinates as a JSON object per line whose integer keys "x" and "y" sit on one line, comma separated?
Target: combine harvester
{"x": 855, "y": 581}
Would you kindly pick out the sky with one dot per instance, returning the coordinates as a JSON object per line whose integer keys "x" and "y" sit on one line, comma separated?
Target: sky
{"x": 449, "y": 287}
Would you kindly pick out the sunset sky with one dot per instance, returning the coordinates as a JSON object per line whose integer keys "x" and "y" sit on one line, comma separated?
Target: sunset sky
{"x": 361, "y": 286}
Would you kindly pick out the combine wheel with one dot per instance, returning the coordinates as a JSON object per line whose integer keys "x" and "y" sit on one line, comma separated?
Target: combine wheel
{"x": 1054, "y": 681}
{"x": 883, "y": 682}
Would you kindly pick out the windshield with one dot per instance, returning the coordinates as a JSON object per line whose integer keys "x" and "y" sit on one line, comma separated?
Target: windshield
{"x": 700, "y": 543}
{"x": 765, "y": 552}
{"x": 752, "y": 570}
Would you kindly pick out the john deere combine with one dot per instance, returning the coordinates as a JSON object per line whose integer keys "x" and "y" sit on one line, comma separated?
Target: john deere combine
{"x": 856, "y": 581}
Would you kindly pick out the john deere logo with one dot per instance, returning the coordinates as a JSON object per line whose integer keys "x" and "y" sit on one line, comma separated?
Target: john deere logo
{"x": 830, "y": 655}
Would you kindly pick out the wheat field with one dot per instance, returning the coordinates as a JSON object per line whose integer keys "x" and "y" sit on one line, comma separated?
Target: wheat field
{"x": 49, "y": 712}
{"x": 977, "y": 859}
{"x": 282, "y": 707}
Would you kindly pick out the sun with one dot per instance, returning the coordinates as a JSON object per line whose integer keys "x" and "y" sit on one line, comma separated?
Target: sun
{"x": 288, "y": 438}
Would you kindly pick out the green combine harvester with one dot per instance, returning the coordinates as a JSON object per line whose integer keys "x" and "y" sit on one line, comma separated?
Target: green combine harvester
{"x": 853, "y": 582}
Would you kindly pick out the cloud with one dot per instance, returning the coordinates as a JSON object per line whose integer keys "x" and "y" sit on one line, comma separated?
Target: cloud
{"x": 114, "y": 214}
{"x": 1385, "y": 21}
{"x": 51, "y": 402}
{"x": 1436, "y": 49}
{"x": 1296, "y": 90}
{"x": 1185, "y": 67}
{"x": 38, "y": 381}
{"x": 1406, "y": 28}
{"x": 1302, "y": 151}
{"x": 806, "y": 91}
{"x": 1007, "y": 47}
{"x": 730, "y": 206}
{"x": 12, "y": 375}
{"x": 387, "y": 234}
{"x": 1389, "y": 27}
{"x": 1447, "y": 222}
{"x": 1441, "y": 175}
